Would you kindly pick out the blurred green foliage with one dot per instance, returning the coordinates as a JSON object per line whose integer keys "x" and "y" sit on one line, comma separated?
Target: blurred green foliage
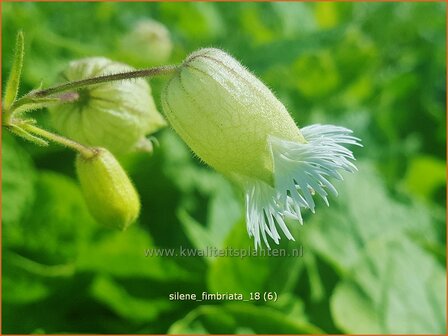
{"x": 374, "y": 261}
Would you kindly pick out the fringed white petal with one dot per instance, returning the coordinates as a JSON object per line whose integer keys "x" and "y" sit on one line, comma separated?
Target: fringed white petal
{"x": 300, "y": 171}
{"x": 264, "y": 213}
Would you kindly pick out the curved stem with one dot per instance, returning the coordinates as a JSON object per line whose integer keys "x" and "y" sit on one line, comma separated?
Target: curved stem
{"x": 162, "y": 70}
{"x": 36, "y": 97}
{"x": 85, "y": 151}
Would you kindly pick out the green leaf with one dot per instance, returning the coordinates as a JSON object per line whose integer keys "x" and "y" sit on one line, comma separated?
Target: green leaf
{"x": 238, "y": 319}
{"x": 395, "y": 288}
{"x": 353, "y": 311}
{"x": 357, "y": 221}
{"x": 372, "y": 242}
{"x": 12, "y": 85}
{"x": 19, "y": 286}
{"x": 25, "y": 280}
{"x": 41, "y": 244}
{"x": 58, "y": 222}
{"x": 18, "y": 177}
{"x": 135, "y": 286}
{"x": 111, "y": 254}
{"x": 110, "y": 293}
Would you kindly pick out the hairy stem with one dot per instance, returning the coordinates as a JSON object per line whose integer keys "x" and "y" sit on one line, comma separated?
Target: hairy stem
{"x": 162, "y": 70}
{"x": 85, "y": 151}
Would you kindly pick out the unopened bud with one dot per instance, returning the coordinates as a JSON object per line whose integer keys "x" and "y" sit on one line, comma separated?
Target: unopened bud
{"x": 225, "y": 114}
{"x": 108, "y": 191}
{"x": 149, "y": 42}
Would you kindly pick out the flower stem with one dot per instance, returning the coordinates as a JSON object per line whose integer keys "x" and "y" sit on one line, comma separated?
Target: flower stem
{"x": 86, "y": 152}
{"x": 162, "y": 70}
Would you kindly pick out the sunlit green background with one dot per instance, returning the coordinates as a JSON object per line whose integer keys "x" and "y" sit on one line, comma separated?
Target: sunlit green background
{"x": 374, "y": 261}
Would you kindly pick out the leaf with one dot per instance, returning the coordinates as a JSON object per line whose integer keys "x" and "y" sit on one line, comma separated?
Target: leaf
{"x": 42, "y": 243}
{"x": 352, "y": 310}
{"x": 240, "y": 318}
{"x": 52, "y": 231}
{"x": 18, "y": 285}
{"x": 125, "y": 305}
{"x": 388, "y": 280}
{"x": 25, "y": 281}
{"x": 112, "y": 252}
{"x": 12, "y": 85}
{"x": 357, "y": 221}
{"x": 388, "y": 293}
{"x": 18, "y": 177}
{"x": 372, "y": 242}
{"x": 133, "y": 285}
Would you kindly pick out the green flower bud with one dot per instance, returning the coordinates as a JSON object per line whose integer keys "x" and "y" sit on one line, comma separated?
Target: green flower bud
{"x": 225, "y": 113}
{"x": 233, "y": 122}
{"x": 115, "y": 115}
{"x": 148, "y": 42}
{"x": 108, "y": 191}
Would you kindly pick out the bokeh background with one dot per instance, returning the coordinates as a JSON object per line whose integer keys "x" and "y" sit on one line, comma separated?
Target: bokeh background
{"x": 373, "y": 262}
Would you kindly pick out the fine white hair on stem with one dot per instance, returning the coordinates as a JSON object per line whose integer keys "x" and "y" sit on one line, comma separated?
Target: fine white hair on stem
{"x": 300, "y": 172}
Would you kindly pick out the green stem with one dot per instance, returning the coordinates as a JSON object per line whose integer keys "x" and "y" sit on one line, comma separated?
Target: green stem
{"x": 85, "y": 151}
{"x": 35, "y": 98}
{"x": 162, "y": 70}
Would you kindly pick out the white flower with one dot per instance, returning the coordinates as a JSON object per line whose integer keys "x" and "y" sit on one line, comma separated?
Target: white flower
{"x": 233, "y": 122}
